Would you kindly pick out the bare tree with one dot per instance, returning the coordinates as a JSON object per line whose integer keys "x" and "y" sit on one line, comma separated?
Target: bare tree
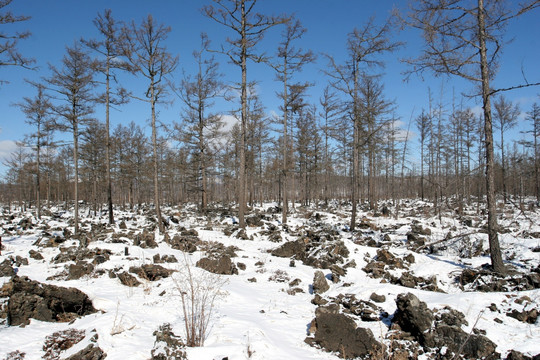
{"x": 110, "y": 52}
{"x": 422, "y": 124}
{"x": 364, "y": 46}
{"x": 200, "y": 129}
{"x": 534, "y": 117}
{"x": 250, "y": 27}
{"x": 291, "y": 60}
{"x": 149, "y": 58}
{"x": 73, "y": 84}
{"x": 9, "y": 55}
{"x": 37, "y": 111}
{"x": 331, "y": 109}
{"x": 506, "y": 117}
{"x": 464, "y": 38}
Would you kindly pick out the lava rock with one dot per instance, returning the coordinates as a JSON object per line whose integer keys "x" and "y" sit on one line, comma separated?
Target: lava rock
{"x": 320, "y": 285}
{"x": 336, "y": 332}
{"x": 31, "y": 299}
{"x": 221, "y": 265}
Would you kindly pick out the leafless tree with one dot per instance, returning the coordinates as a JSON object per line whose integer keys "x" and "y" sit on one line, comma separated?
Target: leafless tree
{"x": 200, "y": 130}
{"x": 73, "y": 84}
{"x": 249, "y": 27}
{"x": 464, "y": 38}
{"x": 110, "y": 51}
{"x": 148, "y": 56}
{"x": 506, "y": 117}
{"x": 291, "y": 60}
{"x": 364, "y": 46}
{"x": 37, "y": 111}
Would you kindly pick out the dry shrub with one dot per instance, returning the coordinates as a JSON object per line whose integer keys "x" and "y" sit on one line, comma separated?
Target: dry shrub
{"x": 199, "y": 290}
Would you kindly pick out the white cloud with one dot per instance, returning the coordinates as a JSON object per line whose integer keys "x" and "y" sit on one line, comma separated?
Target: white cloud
{"x": 229, "y": 121}
{"x": 6, "y": 148}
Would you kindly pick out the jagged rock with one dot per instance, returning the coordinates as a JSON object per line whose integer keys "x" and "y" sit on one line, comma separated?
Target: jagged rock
{"x": 377, "y": 298}
{"x": 35, "y": 255}
{"x": 290, "y": 249}
{"x": 336, "y": 332}
{"x": 91, "y": 352}
{"x": 6, "y": 268}
{"x": 320, "y": 285}
{"x": 145, "y": 239}
{"x": 151, "y": 272}
{"x": 388, "y": 258}
{"x": 168, "y": 345}
{"x": 413, "y": 315}
{"x": 527, "y": 316}
{"x": 31, "y": 299}
{"x": 78, "y": 270}
{"x": 164, "y": 259}
{"x": 128, "y": 280}
{"x": 221, "y": 266}
{"x": 76, "y": 254}
{"x": 185, "y": 243}
{"x": 516, "y": 355}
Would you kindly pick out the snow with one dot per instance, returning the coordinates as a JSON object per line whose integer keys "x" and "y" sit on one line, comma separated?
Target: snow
{"x": 260, "y": 320}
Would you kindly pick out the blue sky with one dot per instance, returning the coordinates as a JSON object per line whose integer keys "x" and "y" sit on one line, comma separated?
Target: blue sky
{"x": 56, "y": 24}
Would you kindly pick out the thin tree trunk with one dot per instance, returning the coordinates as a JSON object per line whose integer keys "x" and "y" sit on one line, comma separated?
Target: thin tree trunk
{"x": 156, "y": 165}
{"x": 108, "y": 147}
{"x": 494, "y": 247}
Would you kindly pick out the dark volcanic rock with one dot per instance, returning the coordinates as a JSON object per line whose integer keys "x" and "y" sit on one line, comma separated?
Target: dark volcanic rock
{"x": 6, "y": 268}
{"x": 441, "y": 331}
{"x": 291, "y": 249}
{"x": 128, "y": 280}
{"x": 151, "y": 272}
{"x": 320, "y": 285}
{"x": 31, "y": 299}
{"x": 78, "y": 270}
{"x": 413, "y": 315}
{"x": 221, "y": 265}
{"x": 91, "y": 352}
{"x": 337, "y": 332}
{"x": 168, "y": 345}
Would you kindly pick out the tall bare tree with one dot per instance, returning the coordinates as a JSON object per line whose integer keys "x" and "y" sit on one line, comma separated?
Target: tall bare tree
{"x": 291, "y": 60}
{"x": 330, "y": 110}
{"x": 73, "y": 84}
{"x": 200, "y": 129}
{"x": 464, "y": 38}
{"x": 249, "y": 27}
{"x": 149, "y": 58}
{"x": 37, "y": 111}
{"x": 110, "y": 51}
{"x": 9, "y": 55}
{"x": 364, "y": 46}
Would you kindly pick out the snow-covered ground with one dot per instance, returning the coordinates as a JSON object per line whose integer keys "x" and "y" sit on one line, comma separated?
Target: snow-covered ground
{"x": 255, "y": 316}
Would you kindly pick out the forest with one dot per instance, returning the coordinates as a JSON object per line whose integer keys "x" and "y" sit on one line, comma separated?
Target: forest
{"x": 344, "y": 155}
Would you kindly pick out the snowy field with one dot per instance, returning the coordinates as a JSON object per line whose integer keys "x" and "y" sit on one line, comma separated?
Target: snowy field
{"x": 265, "y": 310}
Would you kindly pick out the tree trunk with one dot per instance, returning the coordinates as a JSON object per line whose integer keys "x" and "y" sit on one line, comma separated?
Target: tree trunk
{"x": 76, "y": 178}
{"x": 494, "y": 247}
{"x": 155, "y": 156}
{"x": 243, "y": 99}
{"x": 108, "y": 147}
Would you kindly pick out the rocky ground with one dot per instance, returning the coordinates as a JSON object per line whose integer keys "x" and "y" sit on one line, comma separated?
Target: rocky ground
{"x": 407, "y": 285}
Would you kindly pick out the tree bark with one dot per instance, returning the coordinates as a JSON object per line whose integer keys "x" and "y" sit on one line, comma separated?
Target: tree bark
{"x": 494, "y": 247}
